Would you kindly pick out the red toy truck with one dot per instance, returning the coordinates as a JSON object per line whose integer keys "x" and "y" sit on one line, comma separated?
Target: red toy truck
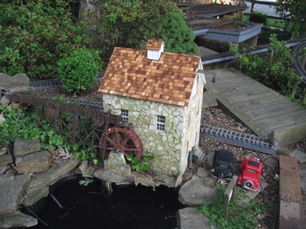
{"x": 250, "y": 175}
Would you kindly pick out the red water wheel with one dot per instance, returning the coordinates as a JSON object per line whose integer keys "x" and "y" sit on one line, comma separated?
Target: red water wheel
{"x": 122, "y": 139}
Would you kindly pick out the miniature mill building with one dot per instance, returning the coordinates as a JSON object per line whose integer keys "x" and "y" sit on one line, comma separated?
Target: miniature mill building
{"x": 160, "y": 95}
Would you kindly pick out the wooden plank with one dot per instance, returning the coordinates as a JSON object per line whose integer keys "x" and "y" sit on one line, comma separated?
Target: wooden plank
{"x": 271, "y": 111}
{"x": 273, "y": 115}
{"x": 241, "y": 89}
{"x": 290, "y": 134}
{"x": 242, "y": 116}
{"x": 232, "y": 81}
{"x": 282, "y": 120}
{"x": 254, "y": 104}
{"x": 242, "y": 98}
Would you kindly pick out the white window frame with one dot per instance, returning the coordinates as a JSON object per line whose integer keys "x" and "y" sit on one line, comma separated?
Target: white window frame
{"x": 161, "y": 122}
{"x": 125, "y": 115}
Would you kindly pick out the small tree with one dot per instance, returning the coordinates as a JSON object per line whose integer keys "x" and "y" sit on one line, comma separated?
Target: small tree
{"x": 79, "y": 71}
{"x": 178, "y": 37}
{"x": 293, "y": 13}
{"x": 126, "y": 23}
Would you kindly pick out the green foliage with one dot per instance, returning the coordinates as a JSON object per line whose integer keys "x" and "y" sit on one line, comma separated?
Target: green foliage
{"x": 293, "y": 13}
{"x": 79, "y": 71}
{"x": 142, "y": 164}
{"x": 273, "y": 69}
{"x": 86, "y": 181}
{"x": 241, "y": 215}
{"x": 258, "y": 17}
{"x": 21, "y": 124}
{"x": 87, "y": 154}
{"x": 126, "y": 23}
{"x": 177, "y": 36}
{"x": 61, "y": 100}
{"x": 34, "y": 35}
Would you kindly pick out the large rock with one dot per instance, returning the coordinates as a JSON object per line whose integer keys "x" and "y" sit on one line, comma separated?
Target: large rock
{"x": 33, "y": 163}
{"x": 144, "y": 179}
{"x": 188, "y": 218}
{"x": 112, "y": 177}
{"x": 5, "y": 159}
{"x": 22, "y": 78}
{"x": 116, "y": 162}
{"x": 24, "y": 147}
{"x": 17, "y": 219}
{"x": 5, "y": 101}
{"x": 31, "y": 199}
{"x": 299, "y": 155}
{"x": 11, "y": 84}
{"x": 12, "y": 189}
{"x": 2, "y": 118}
{"x": 198, "y": 191}
{"x": 54, "y": 174}
{"x": 86, "y": 169}
{"x": 209, "y": 99}
{"x": 3, "y": 150}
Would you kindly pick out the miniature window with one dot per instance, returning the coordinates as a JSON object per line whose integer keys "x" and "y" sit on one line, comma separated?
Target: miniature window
{"x": 125, "y": 115}
{"x": 161, "y": 122}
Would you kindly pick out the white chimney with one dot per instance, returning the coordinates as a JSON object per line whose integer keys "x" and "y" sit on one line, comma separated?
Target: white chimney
{"x": 154, "y": 47}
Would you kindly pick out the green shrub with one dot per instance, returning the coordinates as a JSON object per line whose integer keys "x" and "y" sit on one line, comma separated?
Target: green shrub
{"x": 78, "y": 72}
{"x": 258, "y": 17}
{"x": 35, "y": 34}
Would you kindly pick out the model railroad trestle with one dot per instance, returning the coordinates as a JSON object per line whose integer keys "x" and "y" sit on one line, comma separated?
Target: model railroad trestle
{"x": 83, "y": 124}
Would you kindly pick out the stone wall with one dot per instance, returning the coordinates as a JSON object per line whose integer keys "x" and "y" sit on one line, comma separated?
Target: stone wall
{"x": 165, "y": 145}
{"x": 192, "y": 120}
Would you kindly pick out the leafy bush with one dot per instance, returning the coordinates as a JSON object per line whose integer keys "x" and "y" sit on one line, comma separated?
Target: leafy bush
{"x": 258, "y": 17}
{"x": 35, "y": 34}
{"x": 78, "y": 72}
{"x": 273, "y": 69}
{"x": 22, "y": 124}
{"x": 241, "y": 215}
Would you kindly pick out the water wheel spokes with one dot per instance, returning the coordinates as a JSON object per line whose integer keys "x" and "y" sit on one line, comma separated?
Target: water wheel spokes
{"x": 122, "y": 139}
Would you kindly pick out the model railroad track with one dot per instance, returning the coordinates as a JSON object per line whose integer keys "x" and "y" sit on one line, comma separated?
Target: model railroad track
{"x": 297, "y": 64}
{"x": 42, "y": 84}
{"x": 81, "y": 102}
{"x": 248, "y": 141}
{"x": 258, "y": 49}
{"x": 53, "y": 83}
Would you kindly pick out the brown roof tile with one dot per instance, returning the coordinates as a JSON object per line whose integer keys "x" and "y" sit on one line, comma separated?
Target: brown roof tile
{"x": 169, "y": 80}
{"x": 154, "y": 44}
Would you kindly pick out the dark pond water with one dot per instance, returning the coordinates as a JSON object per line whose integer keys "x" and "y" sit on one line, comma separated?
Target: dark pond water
{"x": 88, "y": 207}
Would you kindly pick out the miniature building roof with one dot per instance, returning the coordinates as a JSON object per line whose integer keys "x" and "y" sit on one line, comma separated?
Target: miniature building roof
{"x": 169, "y": 80}
{"x": 154, "y": 44}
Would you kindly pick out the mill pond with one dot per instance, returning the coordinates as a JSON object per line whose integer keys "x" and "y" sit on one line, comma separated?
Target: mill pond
{"x": 89, "y": 205}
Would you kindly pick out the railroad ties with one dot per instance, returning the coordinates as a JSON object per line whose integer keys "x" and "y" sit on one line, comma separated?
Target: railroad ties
{"x": 248, "y": 141}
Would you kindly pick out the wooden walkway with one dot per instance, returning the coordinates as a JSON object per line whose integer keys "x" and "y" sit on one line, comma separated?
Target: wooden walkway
{"x": 260, "y": 108}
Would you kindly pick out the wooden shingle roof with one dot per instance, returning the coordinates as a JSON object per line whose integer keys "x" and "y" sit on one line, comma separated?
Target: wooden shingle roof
{"x": 169, "y": 80}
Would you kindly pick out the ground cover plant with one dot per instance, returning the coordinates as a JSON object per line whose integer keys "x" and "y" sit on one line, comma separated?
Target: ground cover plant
{"x": 241, "y": 214}
{"x": 22, "y": 124}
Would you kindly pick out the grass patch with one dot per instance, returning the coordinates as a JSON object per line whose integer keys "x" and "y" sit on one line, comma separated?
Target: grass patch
{"x": 271, "y": 22}
{"x": 241, "y": 214}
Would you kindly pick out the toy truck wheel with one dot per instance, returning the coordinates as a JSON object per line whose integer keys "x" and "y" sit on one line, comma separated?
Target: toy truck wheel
{"x": 221, "y": 174}
{"x": 249, "y": 184}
